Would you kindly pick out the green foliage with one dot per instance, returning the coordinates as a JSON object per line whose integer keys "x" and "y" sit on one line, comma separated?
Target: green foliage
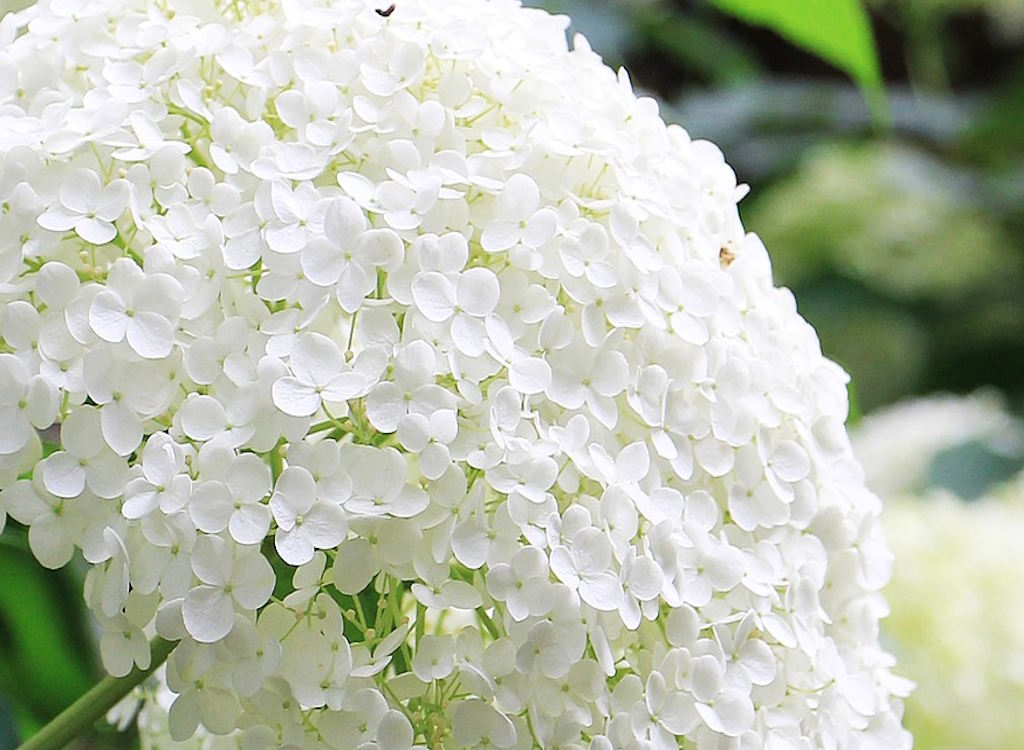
{"x": 838, "y": 31}
{"x": 970, "y": 470}
{"x": 44, "y": 648}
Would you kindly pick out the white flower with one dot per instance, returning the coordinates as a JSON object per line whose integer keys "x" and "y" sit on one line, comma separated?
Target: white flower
{"x": 85, "y": 460}
{"x": 27, "y": 401}
{"x": 522, "y": 584}
{"x": 139, "y": 308}
{"x": 230, "y": 494}
{"x": 584, "y": 565}
{"x": 205, "y": 418}
{"x": 582, "y": 375}
{"x": 477, "y": 724}
{"x": 664, "y": 713}
{"x": 298, "y": 216}
{"x": 378, "y": 484}
{"x": 435, "y": 658}
{"x": 54, "y": 523}
{"x": 229, "y": 576}
{"x": 304, "y": 522}
{"x": 412, "y": 391}
{"x": 641, "y": 581}
{"x": 87, "y": 206}
{"x": 520, "y": 218}
{"x": 320, "y": 375}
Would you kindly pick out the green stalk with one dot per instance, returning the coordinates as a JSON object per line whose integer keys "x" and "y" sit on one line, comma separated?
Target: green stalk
{"x": 75, "y": 720}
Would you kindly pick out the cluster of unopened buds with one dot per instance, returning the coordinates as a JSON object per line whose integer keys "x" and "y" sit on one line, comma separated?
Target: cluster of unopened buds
{"x": 407, "y": 371}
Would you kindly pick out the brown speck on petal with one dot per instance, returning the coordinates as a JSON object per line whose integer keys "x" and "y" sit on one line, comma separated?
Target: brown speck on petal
{"x": 726, "y": 256}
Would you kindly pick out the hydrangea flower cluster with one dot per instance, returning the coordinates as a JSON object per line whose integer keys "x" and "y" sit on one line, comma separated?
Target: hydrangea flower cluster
{"x": 958, "y": 581}
{"x": 417, "y": 379}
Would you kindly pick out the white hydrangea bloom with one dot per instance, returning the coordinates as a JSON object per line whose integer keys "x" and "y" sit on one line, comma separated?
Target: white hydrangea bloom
{"x": 424, "y": 385}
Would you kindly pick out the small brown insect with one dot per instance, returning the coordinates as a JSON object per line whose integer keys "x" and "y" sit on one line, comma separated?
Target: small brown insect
{"x": 726, "y": 256}
{"x": 385, "y": 12}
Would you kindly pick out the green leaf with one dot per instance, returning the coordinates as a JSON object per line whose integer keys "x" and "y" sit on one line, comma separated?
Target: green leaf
{"x": 45, "y": 659}
{"x": 838, "y": 31}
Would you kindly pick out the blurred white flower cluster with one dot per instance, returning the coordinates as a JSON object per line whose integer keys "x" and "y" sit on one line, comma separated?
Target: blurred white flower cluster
{"x": 957, "y": 593}
{"x": 423, "y": 384}
{"x": 958, "y": 581}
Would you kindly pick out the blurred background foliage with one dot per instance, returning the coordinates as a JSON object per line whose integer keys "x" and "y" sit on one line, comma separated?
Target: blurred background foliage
{"x": 898, "y": 221}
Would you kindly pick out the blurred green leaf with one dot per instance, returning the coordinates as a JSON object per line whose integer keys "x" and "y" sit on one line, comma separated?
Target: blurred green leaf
{"x": 971, "y": 469}
{"x": 838, "y": 31}
{"x": 697, "y": 44}
{"x": 45, "y": 660}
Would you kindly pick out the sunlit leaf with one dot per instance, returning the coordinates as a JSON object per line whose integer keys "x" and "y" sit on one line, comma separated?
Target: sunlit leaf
{"x": 838, "y": 31}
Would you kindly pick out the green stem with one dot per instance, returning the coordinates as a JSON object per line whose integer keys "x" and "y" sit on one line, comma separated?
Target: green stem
{"x": 489, "y": 623}
{"x": 75, "y": 720}
{"x": 276, "y": 461}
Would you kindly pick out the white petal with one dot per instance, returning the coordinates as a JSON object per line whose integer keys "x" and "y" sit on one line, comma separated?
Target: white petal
{"x": 183, "y": 716}
{"x": 211, "y": 506}
{"x": 530, "y": 375}
{"x": 122, "y": 428}
{"x": 413, "y": 431}
{"x": 385, "y": 407}
{"x": 394, "y": 732}
{"x": 293, "y": 545}
{"x": 252, "y": 580}
{"x": 735, "y": 712}
{"x": 250, "y": 523}
{"x": 470, "y": 544}
{"x": 322, "y": 262}
{"x": 632, "y": 463}
{"x": 758, "y": 661}
{"x": 107, "y": 316}
{"x": 80, "y": 190}
{"x": 602, "y": 592}
{"x": 96, "y": 231}
{"x": 478, "y": 291}
{"x": 316, "y": 359}
{"x": 354, "y": 284}
{"x": 469, "y": 335}
{"x": 42, "y": 402}
{"x": 708, "y": 678}
{"x": 211, "y": 560}
{"x": 499, "y": 236}
{"x": 354, "y": 566}
{"x": 63, "y": 476}
{"x": 790, "y": 461}
{"x": 208, "y": 613}
{"x": 645, "y": 579}
{"x": 346, "y": 386}
{"x": 381, "y": 247}
{"x": 541, "y": 227}
{"x": 107, "y": 475}
{"x": 295, "y": 398}
{"x": 461, "y": 595}
{"x": 218, "y": 710}
{"x": 434, "y": 296}
{"x": 50, "y": 542}
{"x": 243, "y": 251}
{"x": 202, "y": 417}
{"x": 326, "y": 525}
{"x": 58, "y": 219}
{"x": 519, "y": 198}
